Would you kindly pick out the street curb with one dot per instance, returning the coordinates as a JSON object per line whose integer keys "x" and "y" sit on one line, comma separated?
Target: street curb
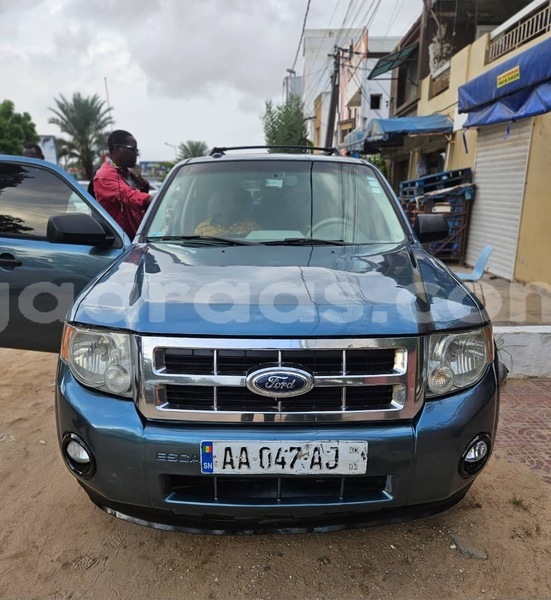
{"x": 525, "y": 350}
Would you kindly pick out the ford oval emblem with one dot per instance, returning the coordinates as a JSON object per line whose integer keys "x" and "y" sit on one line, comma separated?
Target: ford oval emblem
{"x": 280, "y": 382}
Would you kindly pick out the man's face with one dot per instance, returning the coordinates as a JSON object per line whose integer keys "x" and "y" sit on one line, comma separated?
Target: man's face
{"x": 126, "y": 154}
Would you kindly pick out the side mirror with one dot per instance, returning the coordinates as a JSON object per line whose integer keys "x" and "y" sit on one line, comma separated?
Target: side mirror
{"x": 431, "y": 228}
{"x": 75, "y": 228}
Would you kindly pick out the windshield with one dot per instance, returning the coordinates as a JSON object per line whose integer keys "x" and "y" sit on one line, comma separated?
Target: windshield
{"x": 271, "y": 201}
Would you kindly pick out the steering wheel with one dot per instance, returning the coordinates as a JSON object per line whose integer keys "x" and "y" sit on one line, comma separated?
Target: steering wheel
{"x": 341, "y": 223}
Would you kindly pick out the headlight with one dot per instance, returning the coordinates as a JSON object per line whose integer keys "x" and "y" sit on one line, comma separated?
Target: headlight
{"x": 99, "y": 359}
{"x": 458, "y": 360}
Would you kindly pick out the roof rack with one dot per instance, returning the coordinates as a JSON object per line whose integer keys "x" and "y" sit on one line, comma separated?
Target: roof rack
{"x": 220, "y": 151}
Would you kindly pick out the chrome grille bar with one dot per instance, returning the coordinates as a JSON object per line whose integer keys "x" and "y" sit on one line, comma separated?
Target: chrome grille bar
{"x": 402, "y": 378}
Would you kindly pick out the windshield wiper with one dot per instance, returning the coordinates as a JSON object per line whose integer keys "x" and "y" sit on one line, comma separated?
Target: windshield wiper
{"x": 305, "y": 241}
{"x": 203, "y": 240}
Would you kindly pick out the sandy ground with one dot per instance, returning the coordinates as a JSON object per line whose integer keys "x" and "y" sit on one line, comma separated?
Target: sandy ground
{"x": 55, "y": 544}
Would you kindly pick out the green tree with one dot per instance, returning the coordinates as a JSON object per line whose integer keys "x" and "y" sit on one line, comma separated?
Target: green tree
{"x": 379, "y": 162}
{"x": 15, "y": 129}
{"x": 190, "y": 149}
{"x": 85, "y": 120}
{"x": 285, "y": 124}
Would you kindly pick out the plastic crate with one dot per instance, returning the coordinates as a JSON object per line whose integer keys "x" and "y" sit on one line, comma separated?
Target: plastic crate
{"x": 455, "y": 203}
{"x": 418, "y": 187}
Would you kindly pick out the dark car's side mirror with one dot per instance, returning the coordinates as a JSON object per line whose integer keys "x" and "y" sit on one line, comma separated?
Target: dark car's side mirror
{"x": 431, "y": 228}
{"x": 79, "y": 229}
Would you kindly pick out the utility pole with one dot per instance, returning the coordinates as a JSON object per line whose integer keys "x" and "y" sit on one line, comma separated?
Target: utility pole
{"x": 334, "y": 98}
{"x": 335, "y": 83}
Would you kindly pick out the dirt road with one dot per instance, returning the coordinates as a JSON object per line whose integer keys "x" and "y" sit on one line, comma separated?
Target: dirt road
{"x": 55, "y": 544}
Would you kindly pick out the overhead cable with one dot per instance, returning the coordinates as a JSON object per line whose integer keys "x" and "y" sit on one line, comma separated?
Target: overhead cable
{"x": 301, "y": 35}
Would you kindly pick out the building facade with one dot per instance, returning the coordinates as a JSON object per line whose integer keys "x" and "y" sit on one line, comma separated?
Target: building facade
{"x": 507, "y": 142}
{"x": 350, "y": 53}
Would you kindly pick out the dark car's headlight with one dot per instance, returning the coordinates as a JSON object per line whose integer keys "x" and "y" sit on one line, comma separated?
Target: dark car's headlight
{"x": 100, "y": 359}
{"x": 457, "y": 360}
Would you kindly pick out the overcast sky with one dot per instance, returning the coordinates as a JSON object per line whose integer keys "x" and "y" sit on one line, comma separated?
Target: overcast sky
{"x": 176, "y": 70}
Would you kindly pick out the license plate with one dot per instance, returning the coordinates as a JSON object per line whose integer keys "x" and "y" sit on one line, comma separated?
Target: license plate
{"x": 325, "y": 457}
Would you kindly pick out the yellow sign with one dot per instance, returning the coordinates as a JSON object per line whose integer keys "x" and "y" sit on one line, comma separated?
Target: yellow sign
{"x": 508, "y": 77}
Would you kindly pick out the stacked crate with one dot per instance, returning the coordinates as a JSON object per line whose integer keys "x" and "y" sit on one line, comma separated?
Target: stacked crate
{"x": 438, "y": 181}
{"x": 450, "y": 193}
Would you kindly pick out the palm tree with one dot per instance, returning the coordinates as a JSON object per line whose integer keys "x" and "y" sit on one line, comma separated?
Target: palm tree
{"x": 190, "y": 149}
{"x": 84, "y": 120}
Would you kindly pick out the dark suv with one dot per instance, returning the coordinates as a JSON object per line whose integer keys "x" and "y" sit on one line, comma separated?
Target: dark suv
{"x": 274, "y": 351}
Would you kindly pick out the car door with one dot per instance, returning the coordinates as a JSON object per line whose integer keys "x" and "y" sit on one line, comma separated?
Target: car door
{"x": 39, "y": 280}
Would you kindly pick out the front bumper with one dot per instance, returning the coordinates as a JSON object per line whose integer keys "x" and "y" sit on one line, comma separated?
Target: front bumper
{"x": 149, "y": 472}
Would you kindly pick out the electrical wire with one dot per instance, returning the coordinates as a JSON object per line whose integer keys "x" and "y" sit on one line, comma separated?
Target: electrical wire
{"x": 313, "y": 91}
{"x": 301, "y": 35}
{"x": 366, "y": 28}
{"x": 367, "y": 17}
{"x": 318, "y": 81}
{"x": 344, "y": 28}
{"x": 398, "y": 8}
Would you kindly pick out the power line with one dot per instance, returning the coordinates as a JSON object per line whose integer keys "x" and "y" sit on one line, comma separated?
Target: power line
{"x": 328, "y": 28}
{"x": 366, "y": 14}
{"x": 343, "y": 31}
{"x": 398, "y": 8}
{"x": 301, "y": 35}
{"x": 355, "y": 18}
{"x": 313, "y": 88}
{"x": 366, "y": 28}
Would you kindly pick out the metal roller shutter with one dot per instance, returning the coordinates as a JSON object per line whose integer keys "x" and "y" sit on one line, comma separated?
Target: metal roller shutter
{"x": 500, "y": 175}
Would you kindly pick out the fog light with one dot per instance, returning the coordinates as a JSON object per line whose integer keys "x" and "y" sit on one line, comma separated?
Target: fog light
{"x": 78, "y": 453}
{"x": 78, "y": 456}
{"x": 477, "y": 452}
{"x": 475, "y": 456}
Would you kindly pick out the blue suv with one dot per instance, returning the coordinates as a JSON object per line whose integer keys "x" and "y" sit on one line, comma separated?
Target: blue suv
{"x": 275, "y": 350}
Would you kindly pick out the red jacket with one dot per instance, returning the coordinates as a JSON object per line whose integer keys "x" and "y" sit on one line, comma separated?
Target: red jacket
{"x": 120, "y": 198}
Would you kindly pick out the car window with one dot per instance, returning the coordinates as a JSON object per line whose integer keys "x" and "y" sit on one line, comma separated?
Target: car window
{"x": 29, "y": 196}
{"x": 77, "y": 205}
{"x": 265, "y": 200}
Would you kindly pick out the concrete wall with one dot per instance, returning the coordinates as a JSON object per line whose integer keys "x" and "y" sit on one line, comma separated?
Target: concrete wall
{"x": 524, "y": 350}
{"x": 533, "y": 262}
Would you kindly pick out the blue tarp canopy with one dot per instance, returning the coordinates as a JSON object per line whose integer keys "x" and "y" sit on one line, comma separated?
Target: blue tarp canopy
{"x": 354, "y": 141}
{"x": 517, "y": 88}
{"x": 387, "y": 132}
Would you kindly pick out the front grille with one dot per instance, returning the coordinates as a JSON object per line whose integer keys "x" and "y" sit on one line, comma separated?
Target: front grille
{"x": 280, "y": 490}
{"x": 184, "y": 397}
{"x": 177, "y": 361}
{"x": 205, "y": 379}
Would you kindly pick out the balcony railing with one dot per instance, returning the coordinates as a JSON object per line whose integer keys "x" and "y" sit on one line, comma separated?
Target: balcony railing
{"x": 530, "y": 28}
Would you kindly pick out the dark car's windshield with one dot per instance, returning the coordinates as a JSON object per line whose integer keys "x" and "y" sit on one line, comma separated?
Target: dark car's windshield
{"x": 276, "y": 200}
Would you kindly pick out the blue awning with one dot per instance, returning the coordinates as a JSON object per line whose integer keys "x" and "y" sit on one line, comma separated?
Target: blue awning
{"x": 387, "y": 132}
{"x": 354, "y": 141}
{"x": 517, "y": 88}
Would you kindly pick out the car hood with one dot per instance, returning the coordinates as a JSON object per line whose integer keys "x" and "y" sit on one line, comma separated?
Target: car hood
{"x": 278, "y": 291}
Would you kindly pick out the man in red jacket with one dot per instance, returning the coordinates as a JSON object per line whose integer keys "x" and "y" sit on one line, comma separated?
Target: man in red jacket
{"x": 122, "y": 193}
